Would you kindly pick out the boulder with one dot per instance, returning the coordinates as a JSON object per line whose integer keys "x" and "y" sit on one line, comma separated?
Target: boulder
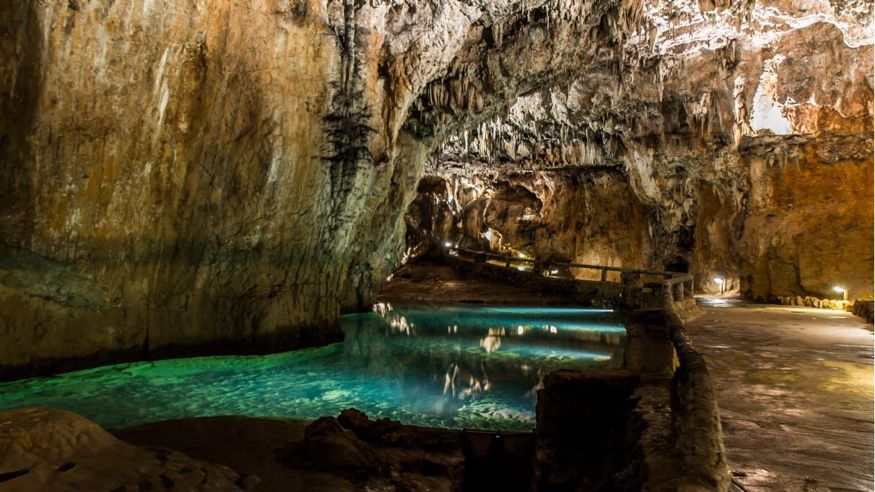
{"x": 48, "y": 449}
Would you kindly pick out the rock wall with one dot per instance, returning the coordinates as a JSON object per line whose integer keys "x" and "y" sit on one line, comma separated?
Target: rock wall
{"x": 795, "y": 223}
{"x": 806, "y": 228}
{"x": 194, "y": 175}
{"x": 588, "y": 217}
{"x": 178, "y": 155}
{"x": 749, "y": 156}
{"x": 228, "y": 175}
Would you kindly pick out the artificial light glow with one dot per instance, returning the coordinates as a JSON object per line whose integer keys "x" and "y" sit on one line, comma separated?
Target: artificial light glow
{"x": 719, "y": 280}
{"x": 521, "y": 268}
{"x": 554, "y": 272}
{"x": 838, "y": 289}
{"x": 447, "y": 244}
{"x": 521, "y": 255}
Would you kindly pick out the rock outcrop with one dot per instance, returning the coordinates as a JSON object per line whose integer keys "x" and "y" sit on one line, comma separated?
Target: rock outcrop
{"x": 381, "y": 454}
{"x": 43, "y": 449}
{"x": 185, "y": 176}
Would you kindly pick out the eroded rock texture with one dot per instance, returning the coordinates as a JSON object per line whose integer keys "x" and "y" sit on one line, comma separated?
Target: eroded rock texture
{"x": 733, "y": 155}
{"x": 45, "y": 449}
{"x": 221, "y": 175}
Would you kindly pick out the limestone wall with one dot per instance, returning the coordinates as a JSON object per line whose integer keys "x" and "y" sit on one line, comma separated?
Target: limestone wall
{"x": 174, "y": 154}
{"x": 202, "y": 175}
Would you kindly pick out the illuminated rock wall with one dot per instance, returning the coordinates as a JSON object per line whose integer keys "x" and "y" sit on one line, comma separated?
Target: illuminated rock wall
{"x": 749, "y": 156}
{"x": 222, "y": 176}
{"x": 226, "y": 175}
{"x": 572, "y": 216}
{"x": 176, "y": 157}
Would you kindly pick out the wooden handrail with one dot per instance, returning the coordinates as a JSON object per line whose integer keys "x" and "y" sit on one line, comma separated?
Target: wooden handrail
{"x": 507, "y": 259}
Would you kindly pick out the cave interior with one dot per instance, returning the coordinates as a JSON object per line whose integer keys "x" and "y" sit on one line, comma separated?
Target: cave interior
{"x": 436, "y": 245}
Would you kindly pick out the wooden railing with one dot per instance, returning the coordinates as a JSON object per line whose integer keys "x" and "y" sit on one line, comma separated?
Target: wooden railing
{"x": 541, "y": 265}
{"x": 676, "y": 286}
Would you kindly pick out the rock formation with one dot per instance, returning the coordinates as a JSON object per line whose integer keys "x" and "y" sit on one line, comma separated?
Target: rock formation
{"x": 730, "y": 156}
{"x": 223, "y": 175}
{"x": 42, "y": 449}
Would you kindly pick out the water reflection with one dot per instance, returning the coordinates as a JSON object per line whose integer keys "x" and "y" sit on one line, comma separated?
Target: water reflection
{"x": 475, "y": 367}
{"x": 480, "y": 357}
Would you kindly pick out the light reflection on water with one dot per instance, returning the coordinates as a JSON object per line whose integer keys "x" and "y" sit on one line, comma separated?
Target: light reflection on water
{"x": 475, "y": 367}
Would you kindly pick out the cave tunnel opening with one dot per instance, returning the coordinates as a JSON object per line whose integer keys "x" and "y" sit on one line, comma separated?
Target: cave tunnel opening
{"x": 678, "y": 264}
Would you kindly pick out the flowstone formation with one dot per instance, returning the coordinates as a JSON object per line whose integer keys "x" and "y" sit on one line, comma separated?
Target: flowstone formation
{"x": 219, "y": 175}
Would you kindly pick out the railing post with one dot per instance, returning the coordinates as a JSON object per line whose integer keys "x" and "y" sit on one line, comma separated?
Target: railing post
{"x": 604, "y": 275}
{"x": 507, "y": 262}
{"x": 668, "y": 293}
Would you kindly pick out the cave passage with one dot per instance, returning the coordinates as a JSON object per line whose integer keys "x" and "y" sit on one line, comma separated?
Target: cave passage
{"x": 360, "y": 217}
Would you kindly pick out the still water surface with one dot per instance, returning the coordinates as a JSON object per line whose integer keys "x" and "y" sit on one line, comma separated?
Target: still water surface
{"x": 460, "y": 367}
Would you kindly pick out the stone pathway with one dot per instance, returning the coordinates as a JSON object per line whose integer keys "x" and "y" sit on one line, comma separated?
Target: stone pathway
{"x": 795, "y": 389}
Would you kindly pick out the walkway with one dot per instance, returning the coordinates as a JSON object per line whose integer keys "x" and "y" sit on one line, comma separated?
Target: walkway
{"x": 426, "y": 282}
{"x": 795, "y": 389}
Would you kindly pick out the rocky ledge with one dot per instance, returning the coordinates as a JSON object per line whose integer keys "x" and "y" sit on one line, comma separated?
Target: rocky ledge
{"x": 45, "y": 449}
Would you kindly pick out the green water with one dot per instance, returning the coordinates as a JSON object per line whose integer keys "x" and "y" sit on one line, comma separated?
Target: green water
{"x": 460, "y": 367}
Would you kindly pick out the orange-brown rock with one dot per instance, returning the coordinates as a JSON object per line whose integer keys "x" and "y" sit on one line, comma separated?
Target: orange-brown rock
{"x": 46, "y": 449}
{"x": 228, "y": 175}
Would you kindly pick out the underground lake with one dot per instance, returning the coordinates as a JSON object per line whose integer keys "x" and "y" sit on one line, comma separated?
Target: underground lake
{"x": 475, "y": 367}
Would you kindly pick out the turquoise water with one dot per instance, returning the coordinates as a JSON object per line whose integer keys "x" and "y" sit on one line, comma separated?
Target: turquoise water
{"x": 460, "y": 367}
